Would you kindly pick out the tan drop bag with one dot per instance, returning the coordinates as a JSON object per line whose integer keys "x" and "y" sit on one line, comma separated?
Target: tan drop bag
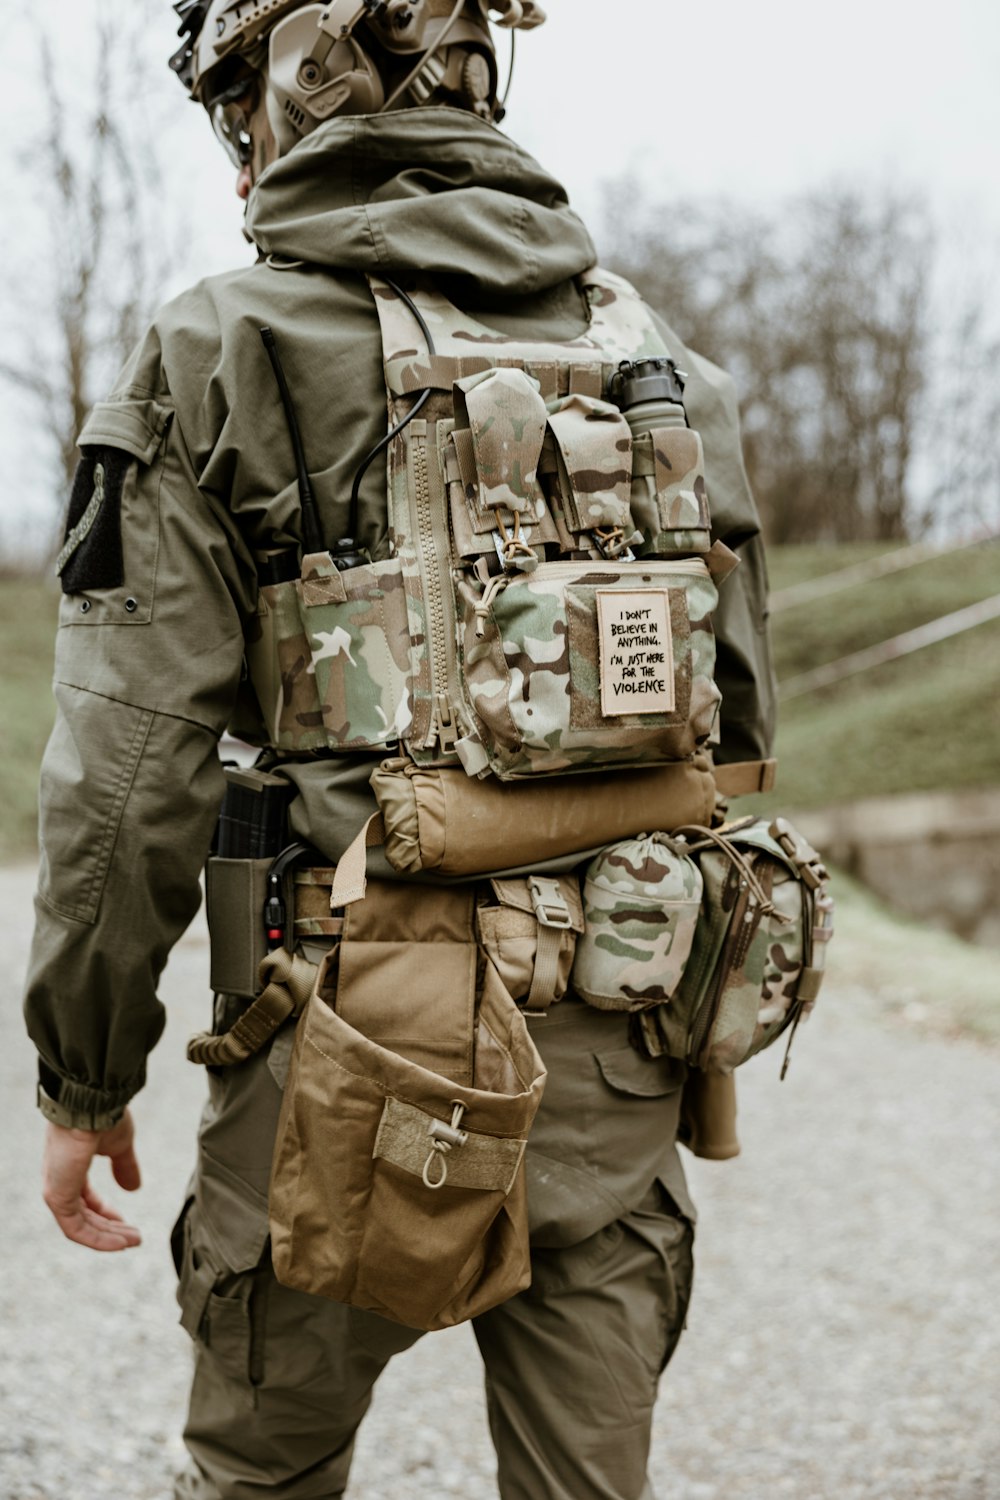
{"x": 398, "y": 1179}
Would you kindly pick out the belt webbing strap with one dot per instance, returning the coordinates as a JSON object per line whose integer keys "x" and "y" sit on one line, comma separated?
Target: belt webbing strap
{"x": 288, "y": 982}
{"x": 742, "y": 778}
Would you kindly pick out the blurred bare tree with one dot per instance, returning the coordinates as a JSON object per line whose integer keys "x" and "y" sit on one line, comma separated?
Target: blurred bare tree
{"x": 822, "y": 309}
{"x": 91, "y": 184}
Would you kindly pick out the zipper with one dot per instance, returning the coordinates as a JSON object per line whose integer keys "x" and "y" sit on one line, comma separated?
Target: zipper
{"x": 440, "y": 625}
{"x": 734, "y": 942}
{"x": 692, "y": 566}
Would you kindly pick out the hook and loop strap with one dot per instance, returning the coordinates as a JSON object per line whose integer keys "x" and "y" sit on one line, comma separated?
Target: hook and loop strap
{"x": 288, "y": 983}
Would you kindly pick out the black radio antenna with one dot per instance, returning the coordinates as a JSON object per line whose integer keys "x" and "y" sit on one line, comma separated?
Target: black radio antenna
{"x": 312, "y": 530}
{"x": 418, "y": 405}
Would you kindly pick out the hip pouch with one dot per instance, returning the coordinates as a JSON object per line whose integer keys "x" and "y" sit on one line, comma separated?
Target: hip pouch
{"x": 717, "y": 936}
{"x": 397, "y": 1182}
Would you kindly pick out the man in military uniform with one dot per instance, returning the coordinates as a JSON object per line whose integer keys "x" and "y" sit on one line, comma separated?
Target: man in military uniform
{"x": 370, "y": 148}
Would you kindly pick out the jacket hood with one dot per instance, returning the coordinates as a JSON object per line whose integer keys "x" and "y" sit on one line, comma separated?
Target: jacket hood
{"x": 435, "y": 190}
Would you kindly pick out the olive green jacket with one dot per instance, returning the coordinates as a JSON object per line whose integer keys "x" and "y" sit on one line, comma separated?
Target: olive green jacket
{"x": 148, "y": 671}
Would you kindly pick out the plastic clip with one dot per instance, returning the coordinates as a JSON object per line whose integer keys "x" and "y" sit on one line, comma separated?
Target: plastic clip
{"x": 443, "y": 1137}
{"x": 549, "y": 903}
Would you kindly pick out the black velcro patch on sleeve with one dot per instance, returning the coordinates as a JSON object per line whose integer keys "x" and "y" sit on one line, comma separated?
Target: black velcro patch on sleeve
{"x": 91, "y": 557}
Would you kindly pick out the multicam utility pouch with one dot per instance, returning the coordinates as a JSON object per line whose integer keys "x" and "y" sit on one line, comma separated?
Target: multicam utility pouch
{"x": 584, "y": 664}
{"x": 330, "y": 658}
{"x": 642, "y": 898}
{"x": 759, "y": 947}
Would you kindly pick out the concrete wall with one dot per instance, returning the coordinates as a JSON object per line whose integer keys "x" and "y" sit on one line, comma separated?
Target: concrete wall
{"x": 934, "y": 855}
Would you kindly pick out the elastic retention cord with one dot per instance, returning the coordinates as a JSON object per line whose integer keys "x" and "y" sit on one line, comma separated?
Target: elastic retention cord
{"x": 707, "y": 837}
{"x": 417, "y": 406}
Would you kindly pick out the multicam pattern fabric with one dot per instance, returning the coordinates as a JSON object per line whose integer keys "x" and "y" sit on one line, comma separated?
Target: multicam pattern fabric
{"x": 330, "y": 668}
{"x": 641, "y": 901}
{"x": 669, "y": 498}
{"x": 507, "y": 418}
{"x": 531, "y": 669}
{"x": 755, "y": 966}
{"x": 438, "y": 651}
{"x": 595, "y": 444}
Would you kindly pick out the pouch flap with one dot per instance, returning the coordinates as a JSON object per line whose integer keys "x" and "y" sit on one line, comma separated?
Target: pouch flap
{"x": 679, "y": 475}
{"x": 135, "y": 426}
{"x": 517, "y": 894}
{"x": 595, "y": 444}
{"x": 506, "y": 415}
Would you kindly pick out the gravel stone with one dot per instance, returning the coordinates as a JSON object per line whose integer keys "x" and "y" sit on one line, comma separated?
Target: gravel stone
{"x": 843, "y": 1341}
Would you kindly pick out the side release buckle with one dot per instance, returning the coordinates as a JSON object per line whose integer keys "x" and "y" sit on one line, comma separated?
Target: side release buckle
{"x": 549, "y": 903}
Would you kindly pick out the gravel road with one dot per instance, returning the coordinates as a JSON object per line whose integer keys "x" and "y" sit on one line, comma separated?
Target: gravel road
{"x": 843, "y": 1342}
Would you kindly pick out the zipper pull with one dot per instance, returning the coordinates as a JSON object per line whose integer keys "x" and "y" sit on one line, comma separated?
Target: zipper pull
{"x": 446, "y": 731}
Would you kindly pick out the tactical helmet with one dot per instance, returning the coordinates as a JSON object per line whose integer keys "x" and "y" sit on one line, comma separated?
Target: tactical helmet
{"x": 307, "y": 63}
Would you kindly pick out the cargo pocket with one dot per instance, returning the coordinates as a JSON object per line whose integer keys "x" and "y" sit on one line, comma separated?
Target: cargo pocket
{"x": 222, "y": 1310}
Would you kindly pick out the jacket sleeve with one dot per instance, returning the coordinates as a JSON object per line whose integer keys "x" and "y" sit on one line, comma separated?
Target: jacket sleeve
{"x": 744, "y": 666}
{"x": 148, "y": 659}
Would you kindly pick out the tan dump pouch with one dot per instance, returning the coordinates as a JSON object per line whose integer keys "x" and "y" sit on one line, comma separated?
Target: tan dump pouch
{"x": 445, "y": 821}
{"x": 397, "y": 1183}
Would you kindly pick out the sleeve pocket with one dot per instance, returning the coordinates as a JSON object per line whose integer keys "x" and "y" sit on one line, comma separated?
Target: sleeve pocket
{"x": 87, "y": 774}
{"x": 108, "y": 562}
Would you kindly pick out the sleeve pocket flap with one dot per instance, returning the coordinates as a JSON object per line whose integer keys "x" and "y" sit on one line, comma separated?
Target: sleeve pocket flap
{"x": 137, "y": 427}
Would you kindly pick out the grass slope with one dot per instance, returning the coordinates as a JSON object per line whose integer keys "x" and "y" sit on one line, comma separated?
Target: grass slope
{"x": 925, "y": 721}
{"x": 28, "y": 611}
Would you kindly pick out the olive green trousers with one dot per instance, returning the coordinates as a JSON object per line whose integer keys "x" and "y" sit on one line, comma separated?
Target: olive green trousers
{"x": 282, "y": 1379}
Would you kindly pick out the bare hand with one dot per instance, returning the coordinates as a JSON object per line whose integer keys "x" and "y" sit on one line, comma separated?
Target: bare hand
{"x": 80, "y": 1213}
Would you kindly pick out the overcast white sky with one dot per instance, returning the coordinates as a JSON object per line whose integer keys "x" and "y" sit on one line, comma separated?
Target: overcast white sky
{"x": 752, "y": 100}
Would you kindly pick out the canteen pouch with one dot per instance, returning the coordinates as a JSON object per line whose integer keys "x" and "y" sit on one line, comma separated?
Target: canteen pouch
{"x": 443, "y": 821}
{"x": 641, "y": 900}
{"x": 759, "y": 948}
{"x": 528, "y": 928}
{"x": 579, "y": 665}
{"x": 398, "y": 1181}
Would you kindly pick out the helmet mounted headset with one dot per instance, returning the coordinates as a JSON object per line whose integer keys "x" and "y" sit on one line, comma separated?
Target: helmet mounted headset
{"x": 308, "y": 63}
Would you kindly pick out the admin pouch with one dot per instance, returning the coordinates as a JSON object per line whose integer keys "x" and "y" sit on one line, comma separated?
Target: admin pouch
{"x": 717, "y": 937}
{"x": 398, "y": 1180}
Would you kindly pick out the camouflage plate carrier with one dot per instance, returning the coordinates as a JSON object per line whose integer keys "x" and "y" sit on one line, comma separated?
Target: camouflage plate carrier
{"x": 547, "y": 604}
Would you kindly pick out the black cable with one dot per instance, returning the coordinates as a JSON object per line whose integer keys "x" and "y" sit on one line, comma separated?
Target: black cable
{"x": 312, "y": 530}
{"x": 418, "y": 405}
